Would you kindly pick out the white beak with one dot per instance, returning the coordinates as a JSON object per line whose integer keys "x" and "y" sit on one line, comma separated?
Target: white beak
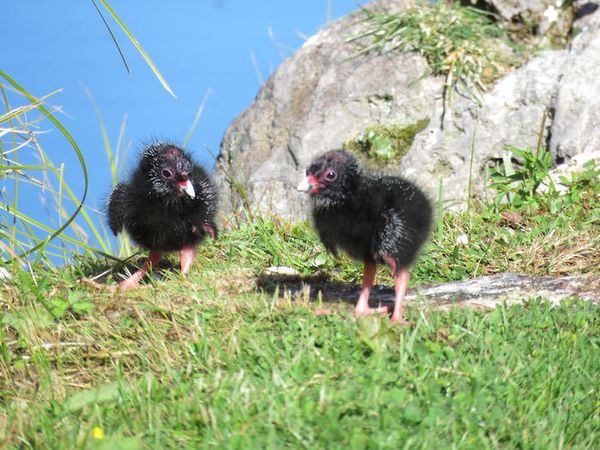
{"x": 304, "y": 185}
{"x": 188, "y": 188}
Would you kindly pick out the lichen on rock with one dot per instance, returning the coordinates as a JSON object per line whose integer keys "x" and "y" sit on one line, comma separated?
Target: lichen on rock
{"x": 385, "y": 144}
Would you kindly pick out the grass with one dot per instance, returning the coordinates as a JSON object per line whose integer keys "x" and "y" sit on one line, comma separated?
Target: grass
{"x": 213, "y": 361}
{"x": 274, "y": 375}
{"x": 186, "y": 365}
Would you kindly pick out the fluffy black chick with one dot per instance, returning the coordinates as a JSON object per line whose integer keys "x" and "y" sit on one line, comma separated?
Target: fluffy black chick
{"x": 168, "y": 204}
{"x": 373, "y": 218}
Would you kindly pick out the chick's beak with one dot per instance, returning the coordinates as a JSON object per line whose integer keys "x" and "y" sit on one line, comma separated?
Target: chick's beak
{"x": 305, "y": 185}
{"x": 188, "y": 188}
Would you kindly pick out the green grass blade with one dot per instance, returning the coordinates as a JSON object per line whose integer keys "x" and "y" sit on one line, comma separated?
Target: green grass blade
{"x": 197, "y": 118}
{"x": 13, "y": 113}
{"x": 120, "y": 149}
{"x": 140, "y": 49}
{"x": 112, "y": 36}
{"x": 18, "y": 167}
{"x": 105, "y": 138}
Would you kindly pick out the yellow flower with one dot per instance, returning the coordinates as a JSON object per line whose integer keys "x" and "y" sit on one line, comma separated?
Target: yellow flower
{"x": 98, "y": 433}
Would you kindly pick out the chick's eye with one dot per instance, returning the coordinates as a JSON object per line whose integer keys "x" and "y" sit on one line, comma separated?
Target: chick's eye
{"x": 167, "y": 173}
{"x": 330, "y": 175}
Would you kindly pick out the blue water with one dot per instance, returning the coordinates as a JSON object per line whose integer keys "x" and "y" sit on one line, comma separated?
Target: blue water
{"x": 199, "y": 46}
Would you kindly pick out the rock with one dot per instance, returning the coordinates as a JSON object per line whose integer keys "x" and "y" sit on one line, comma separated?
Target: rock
{"x": 519, "y": 10}
{"x": 490, "y": 291}
{"x": 573, "y": 166}
{"x": 325, "y": 95}
{"x": 511, "y": 113}
{"x": 540, "y": 15}
{"x": 282, "y": 270}
{"x": 576, "y": 122}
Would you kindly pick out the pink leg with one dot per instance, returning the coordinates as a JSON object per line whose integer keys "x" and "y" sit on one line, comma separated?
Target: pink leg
{"x": 362, "y": 306}
{"x": 186, "y": 256}
{"x": 134, "y": 279}
{"x": 212, "y": 231}
{"x": 401, "y": 284}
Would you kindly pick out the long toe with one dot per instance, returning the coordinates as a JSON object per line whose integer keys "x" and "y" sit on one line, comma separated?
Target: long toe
{"x": 96, "y": 285}
{"x": 362, "y": 311}
{"x": 129, "y": 283}
{"x": 398, "y": 319}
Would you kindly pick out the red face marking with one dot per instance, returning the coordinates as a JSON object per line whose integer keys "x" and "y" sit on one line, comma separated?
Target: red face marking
{"x": 315, "y": 184}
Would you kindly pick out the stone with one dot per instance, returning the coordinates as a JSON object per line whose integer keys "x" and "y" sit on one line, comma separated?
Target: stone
{"x": 510, "y": 288}
{"x": 511, "y": 114}
{"x": 544, "y": 16}
{"x": 518, "y": 9}
{"x": 282, "y": 270}
{"x": 576, "y": 119}
{"x": 573, "y": 166}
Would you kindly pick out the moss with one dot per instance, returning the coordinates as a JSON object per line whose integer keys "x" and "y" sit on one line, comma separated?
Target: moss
{"x": 385, "y": 144}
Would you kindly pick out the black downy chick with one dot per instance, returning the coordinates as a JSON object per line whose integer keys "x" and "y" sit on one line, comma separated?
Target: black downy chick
{"x": 373, "y": 218}
{"x": 168, "y": 204}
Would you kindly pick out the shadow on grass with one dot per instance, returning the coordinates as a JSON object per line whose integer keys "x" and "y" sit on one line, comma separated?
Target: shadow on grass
{"x": 330, "y": 291}
{"x": 105, "y": 271}
{"x": 485, "y": 292}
